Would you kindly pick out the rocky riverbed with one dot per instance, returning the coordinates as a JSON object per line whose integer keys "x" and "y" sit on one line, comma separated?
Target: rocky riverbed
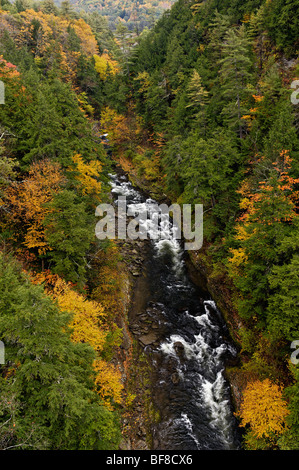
{"x": 164, "y": 316}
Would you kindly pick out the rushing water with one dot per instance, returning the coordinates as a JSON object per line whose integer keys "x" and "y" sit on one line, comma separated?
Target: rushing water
{"x": 188, "y": 359}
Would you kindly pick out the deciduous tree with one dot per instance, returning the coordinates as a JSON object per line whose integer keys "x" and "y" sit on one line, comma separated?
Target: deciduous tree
{"x": 264, "y": 409}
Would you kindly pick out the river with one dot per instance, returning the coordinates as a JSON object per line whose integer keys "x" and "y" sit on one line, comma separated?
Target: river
{"x": 188, "y": 345}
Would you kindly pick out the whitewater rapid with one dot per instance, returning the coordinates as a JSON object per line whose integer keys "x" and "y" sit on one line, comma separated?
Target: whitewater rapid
{"x": 190, "y": 390}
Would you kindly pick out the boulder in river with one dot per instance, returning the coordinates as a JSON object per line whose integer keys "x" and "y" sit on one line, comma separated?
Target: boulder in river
{"x": 175, "y": 378}
{"x": 179, "y": 349}
{"x": 149, "y": 338}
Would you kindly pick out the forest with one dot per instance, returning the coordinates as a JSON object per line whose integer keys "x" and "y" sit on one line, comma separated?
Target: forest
{"x": 203, "y": 108}
{"x": 135, "y": 15}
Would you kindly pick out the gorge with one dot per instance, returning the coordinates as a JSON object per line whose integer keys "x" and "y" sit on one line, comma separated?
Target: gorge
{"x": 185, "y": 339}
{"x": 136, "y": 344}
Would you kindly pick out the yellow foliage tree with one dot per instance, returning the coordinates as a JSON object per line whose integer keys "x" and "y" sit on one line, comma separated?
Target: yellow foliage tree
{"x": 115, "y": 125}
{"x": 37, "y": 38}
{"x": 54, "y": 28}
{"x": 88, "y": 175}
{"x": 264, "y": 409}
{"x": 108, "y": 382}
{"x": 88, "y": 41}
{"x": 104, "y": 65}
{"x": 47, "y": 36}
{"x": 88, "y": 315}
{"x": 121, "y": 129}
{"x": 144, "y": 81}
{"x": 88, "y": 325}
{"x": 237, "y": 259}
{"x": 85, "y": 107}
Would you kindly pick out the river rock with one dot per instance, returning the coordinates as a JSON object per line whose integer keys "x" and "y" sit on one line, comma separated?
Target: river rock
{"x": 148, "y": 339}
{"x": 175, "y": 378}
{"x": 141, "y": 431}
{"x": 125, "y": 444}
{"x": 144, "y": 330}
{"x": 179, "y": 349}
{"x": 140, "y": 445}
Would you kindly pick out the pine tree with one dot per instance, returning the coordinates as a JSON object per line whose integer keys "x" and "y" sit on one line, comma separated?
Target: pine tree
{"x": 48, "y": 401}
{"x": 236, "y": 76}
{"x": 198, "y": 98}
{"x": 69, "y": 232}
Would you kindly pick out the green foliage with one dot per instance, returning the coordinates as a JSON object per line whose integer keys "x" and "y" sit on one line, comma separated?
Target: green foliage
{"x": 282, "y": 24}
{"x": 46, "y": 386}
{"x": 208, "y": 169}
{"x": 209, "y": 84}
{"x": 69, "y": 232}
{"x": 47, "y": 122}
{"x": 283, "y": 301}
{"x": 53, "y": 102}
{"x": 290, "y": 439}
{"x": 236, "y": 77}
{"x": 135, "y": 15}
{"x": 213, "y": 79}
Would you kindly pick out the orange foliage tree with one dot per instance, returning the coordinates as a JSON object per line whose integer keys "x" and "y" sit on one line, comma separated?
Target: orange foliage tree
{"x": 48, "y": 36}
{"x": 29, "y": 201}
{"x": 265, "y": 204}
{"x": 109, "y": 280}
{"x": 12, "y": 80}
{"x": 7, "y": 70}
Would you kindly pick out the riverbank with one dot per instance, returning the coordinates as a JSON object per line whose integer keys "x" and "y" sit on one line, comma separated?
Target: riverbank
{"x": 136, "y": 412}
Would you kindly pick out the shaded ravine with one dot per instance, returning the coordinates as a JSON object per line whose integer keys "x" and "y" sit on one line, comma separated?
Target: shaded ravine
{"x": 186, "y": 341}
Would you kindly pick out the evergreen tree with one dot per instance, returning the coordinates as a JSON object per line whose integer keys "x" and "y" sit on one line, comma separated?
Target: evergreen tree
{"x": 198, "y": 98}
{"x": 46, "y": 386}
{"x": 236, "y": 76}
{"x": 290, "y": 438}
{"x": 69, "y": 232}
{"x": 48, "y": 6}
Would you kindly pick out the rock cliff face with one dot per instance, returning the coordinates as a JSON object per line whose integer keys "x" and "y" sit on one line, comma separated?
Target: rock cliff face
{"x": 218, "y": 286}
{"x": 134, "y": 371}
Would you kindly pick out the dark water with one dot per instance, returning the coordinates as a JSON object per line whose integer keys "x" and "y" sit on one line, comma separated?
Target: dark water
{"x": 191, "y": 349}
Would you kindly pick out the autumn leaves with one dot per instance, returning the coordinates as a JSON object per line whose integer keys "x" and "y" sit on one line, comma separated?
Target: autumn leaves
{"x": 64, "y": 391}
{"x": 265, "y": 410}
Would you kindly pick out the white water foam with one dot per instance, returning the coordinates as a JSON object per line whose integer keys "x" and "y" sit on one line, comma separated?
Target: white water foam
{"x": 158, "y": 226}
{"x": 212, "y": 393}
